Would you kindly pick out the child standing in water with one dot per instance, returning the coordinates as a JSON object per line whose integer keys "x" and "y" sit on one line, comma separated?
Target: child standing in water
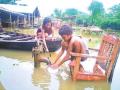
{"x": 45, "y": 32}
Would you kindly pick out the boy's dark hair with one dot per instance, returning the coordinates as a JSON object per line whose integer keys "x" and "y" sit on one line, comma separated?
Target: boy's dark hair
{"x": 66, "y": 30}
{"x": 46, "y": 20}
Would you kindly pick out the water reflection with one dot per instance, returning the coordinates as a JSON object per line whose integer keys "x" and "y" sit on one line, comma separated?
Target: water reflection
{"x": 17, "y": 75}
{"x": 84, "y": 85}
{"x": 41, "y": 77}
{"x": 45, "y": 80}
{"x": 17, "y": 54}
{"x": 1, "y": 87}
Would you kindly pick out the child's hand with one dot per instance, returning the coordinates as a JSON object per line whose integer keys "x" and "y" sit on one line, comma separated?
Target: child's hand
{"x": 54, "y": 66}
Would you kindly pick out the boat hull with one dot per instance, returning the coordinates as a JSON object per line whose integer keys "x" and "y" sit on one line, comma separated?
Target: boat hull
{"x": 28, "y": 45}
{"x": 17, "y": 45}
{"x": 24, "y": 42}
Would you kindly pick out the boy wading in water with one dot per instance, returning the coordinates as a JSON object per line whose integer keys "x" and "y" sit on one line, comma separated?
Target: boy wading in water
{"x": 45, "y": 32}
{"x": 69, "y": 44}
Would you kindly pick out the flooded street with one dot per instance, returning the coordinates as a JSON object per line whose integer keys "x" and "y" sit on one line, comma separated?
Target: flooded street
{"x": 17, "y": 72}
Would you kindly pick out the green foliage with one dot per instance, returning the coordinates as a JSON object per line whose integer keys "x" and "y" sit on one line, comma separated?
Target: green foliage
{"x": 96, "y": 8}
{"x": 97, "y": 11}
{"x": 82, "y": 18}
{"x": 97, "y": 16}
{"x": 115, "y": 11}
{"x": 111, "y": 23}
{"x": 112, "y": 19}
{"x": 57, "y": 13}
{"x": 70, "y": 15}
{"x": 71, "y": 12}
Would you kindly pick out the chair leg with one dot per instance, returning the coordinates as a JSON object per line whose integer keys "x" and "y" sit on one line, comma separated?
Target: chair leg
{"x": 81, "y": 69}
{"x": 97, "y": 70}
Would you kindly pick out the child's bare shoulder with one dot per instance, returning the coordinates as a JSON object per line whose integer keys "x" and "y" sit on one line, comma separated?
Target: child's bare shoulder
{"x": 76, "y": 39}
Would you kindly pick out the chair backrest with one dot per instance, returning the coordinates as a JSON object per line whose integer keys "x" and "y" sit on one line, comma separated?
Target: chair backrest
{"x": 109, "y": 48}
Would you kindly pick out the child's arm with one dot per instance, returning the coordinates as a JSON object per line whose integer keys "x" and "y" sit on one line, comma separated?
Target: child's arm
{"x": 44, "y": 41}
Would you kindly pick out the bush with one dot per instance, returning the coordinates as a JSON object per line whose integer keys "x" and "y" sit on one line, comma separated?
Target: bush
{"x": 112, "y": 24}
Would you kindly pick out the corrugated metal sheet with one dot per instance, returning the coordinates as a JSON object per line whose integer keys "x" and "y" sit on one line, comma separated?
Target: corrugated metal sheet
{"x": 18, "y": 8}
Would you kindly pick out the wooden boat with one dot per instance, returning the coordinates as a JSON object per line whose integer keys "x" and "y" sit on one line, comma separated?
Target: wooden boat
{"x": 12, "y": 40}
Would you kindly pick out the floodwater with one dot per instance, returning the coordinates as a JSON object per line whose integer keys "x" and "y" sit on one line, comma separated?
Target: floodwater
{"x": 17, "y": 72}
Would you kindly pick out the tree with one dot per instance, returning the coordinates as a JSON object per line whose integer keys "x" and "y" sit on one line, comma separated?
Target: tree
{"x": 57, "y": 13}
{"x": 112, "y": 19}
{"x": 71, "y": 12}
{"x": 70, "y": 15}
{"x": 115, "y": 11}
{"x": 97, "y": 11}
{"x": 82, "y": 18}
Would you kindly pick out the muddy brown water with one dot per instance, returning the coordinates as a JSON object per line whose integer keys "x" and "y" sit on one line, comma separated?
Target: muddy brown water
{"x": 17, "y": 72}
